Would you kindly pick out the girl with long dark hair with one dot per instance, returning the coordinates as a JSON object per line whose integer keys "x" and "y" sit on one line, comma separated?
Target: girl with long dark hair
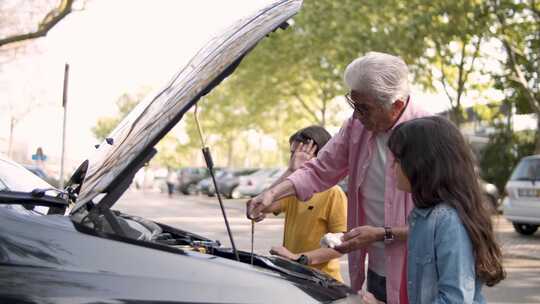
{"x": 452, "y": 249}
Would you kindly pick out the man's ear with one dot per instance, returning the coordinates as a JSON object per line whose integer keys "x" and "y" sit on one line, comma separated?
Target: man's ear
{"x": 398, "y": 106}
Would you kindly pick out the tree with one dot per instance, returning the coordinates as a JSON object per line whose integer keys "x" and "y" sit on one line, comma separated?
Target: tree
{"x": 169, "y": 155}
{"x": 224, "y": 118}
{"x": 453, "y": 52}
{"x": 294, "y": 78}
{"x": 169, "y": 148}
{"x": 105, "y": 125}
{"x": 503, "y": 152}
{"x": 304, "y": 65}
{"x": 517, "y": 26}
{"x": 51, "y": 19}
{"x": 17, "y": 112}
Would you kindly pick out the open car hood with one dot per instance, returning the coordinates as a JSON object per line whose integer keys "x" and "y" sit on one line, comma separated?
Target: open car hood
{"x": 132, "y": 141}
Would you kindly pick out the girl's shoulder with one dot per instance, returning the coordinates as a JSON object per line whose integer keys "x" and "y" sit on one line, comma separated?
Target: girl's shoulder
{"x": 447, "y": 221}
{"x": 444, "y": 212}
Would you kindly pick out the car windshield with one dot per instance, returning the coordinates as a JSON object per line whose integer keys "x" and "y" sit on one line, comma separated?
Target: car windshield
{"x": 16, "y": 178}
{"x": 527, "y": 169}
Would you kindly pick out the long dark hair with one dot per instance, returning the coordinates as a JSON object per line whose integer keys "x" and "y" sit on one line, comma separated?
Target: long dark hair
{"x": 440, "y": 167}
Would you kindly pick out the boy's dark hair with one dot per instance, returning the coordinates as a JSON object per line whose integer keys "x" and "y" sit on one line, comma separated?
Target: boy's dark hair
{"x": 318, "y": 134}
{"x": 440, "y": 167}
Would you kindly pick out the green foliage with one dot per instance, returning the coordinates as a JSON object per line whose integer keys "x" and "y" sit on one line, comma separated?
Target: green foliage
{"x": 105, "y": 125}
{"x": 294, "y": 78}
{"x": 516, "y": 24}
{"x": 168, "y": 156}
{"x": 503, "y": 152}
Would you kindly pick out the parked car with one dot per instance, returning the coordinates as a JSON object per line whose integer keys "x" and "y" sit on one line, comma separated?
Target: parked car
{"x": 97, "y": 254}
{"x": 40, "y": 173}
{"x": 188, "y": 178}
{"x": 228, "y": 183}
{"x": 253, "y": 184}
{"x": 491, "y": 195}
{"x": 15, "y": 177}
{"x": 522, "y": 204}
{"x": 206, "y": 186}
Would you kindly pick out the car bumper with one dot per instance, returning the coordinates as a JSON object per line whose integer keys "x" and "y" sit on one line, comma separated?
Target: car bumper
{"x": 526, "y": 212}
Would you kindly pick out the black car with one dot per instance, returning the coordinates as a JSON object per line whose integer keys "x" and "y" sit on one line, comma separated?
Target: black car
{"x": 99, "y": 255}
{"x": 229, "y": 182}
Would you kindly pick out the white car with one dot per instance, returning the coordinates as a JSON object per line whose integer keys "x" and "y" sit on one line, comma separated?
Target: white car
{"x": 522, "y": 205}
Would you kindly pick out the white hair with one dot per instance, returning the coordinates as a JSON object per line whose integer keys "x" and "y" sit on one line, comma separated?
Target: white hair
{"x": 380, "y": 75}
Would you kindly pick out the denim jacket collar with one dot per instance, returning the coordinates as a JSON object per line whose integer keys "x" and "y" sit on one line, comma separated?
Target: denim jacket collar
{"x": 423, "y": 212}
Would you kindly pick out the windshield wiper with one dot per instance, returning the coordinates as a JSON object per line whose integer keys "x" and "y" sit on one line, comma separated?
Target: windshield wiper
{"x": 27, "y": 198}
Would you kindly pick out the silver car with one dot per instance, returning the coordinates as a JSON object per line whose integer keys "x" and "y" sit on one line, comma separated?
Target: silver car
{"x": 522, "y": 205}
{"x": 253, "y": 184}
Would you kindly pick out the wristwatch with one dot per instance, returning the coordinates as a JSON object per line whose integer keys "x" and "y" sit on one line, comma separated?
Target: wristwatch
{"x": 303, "y": 259}
{"x": 388, "y": 235}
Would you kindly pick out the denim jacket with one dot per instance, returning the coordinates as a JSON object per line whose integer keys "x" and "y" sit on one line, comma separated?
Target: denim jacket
{"x": 440, "y": 261}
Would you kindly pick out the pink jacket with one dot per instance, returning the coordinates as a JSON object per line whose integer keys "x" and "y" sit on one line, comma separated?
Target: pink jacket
{"x": 348, "y": 153}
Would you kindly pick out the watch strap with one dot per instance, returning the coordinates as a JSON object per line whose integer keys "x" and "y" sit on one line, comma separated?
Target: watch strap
{"x": 388, "y": 235}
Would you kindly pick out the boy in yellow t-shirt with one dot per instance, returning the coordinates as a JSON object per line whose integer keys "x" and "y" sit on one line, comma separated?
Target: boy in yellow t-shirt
{"x": 307, "y": 222}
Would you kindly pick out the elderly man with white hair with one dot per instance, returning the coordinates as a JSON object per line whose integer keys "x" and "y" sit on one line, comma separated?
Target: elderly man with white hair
{"x": 377, "y": 210}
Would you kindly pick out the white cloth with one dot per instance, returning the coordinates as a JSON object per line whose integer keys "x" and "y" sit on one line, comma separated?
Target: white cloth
{"x": 373, "y": 189}
{"x": 331, "y": 240}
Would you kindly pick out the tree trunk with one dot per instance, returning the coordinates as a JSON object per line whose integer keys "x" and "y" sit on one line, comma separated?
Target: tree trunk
{"x": 323, "y": 116}
{"x": 537, "y": 147}
{"x": 10, "y": 144}
{"x": 230, "y": 149}
{"x": 456, "y": 116}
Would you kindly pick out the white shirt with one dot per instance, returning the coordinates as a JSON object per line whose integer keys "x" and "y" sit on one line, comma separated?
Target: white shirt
{"x": 373, "y": 189}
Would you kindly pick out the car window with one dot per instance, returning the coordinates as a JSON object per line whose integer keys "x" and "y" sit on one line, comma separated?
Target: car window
{"x": 527, "y": 169}
{"x": 3, "y": 186}
{"x": 219, "y": 173}
{"x": 17, "y": 178}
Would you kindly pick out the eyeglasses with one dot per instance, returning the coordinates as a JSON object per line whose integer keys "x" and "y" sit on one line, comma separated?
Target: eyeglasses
{"x": 361, "y": 109}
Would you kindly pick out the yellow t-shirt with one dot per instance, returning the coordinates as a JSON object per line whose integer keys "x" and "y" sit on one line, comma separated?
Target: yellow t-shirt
{"x": 307, "y": 222}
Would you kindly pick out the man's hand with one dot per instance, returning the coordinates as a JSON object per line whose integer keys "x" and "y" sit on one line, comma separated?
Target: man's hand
{"x": 302, "y": 154}
{"x": 251, "y": 205}
{"x": 259, "y": 204}
{"x": 360, "y": 237}
{"x": 284, "y": 253}
{"x": 368, "y": 298}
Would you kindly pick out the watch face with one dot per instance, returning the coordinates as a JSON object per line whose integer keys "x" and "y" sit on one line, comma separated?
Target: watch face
{"x": 303, "y": 259}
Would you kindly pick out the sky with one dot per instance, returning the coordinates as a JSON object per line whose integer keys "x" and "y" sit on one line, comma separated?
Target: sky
{"x": 114, "y": 47}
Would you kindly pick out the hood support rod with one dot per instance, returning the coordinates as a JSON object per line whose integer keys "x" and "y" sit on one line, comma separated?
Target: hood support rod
{"x": 210, "y": 165}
